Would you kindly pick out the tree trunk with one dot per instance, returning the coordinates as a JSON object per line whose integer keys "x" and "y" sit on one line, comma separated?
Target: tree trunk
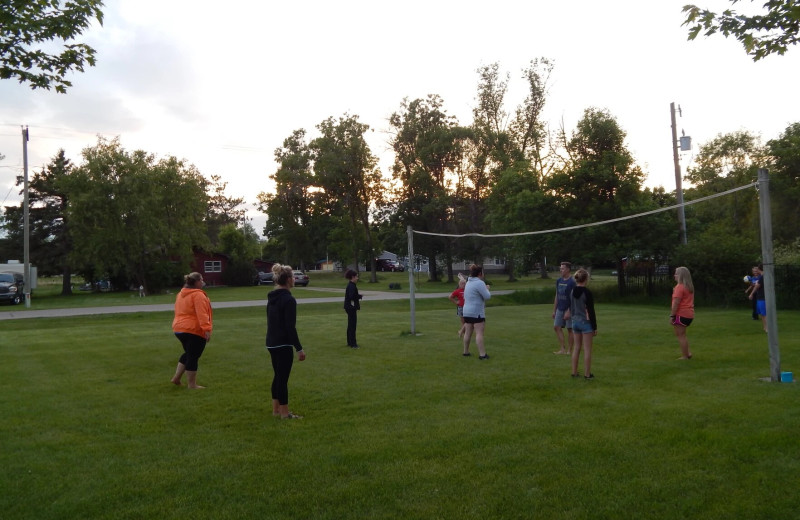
{"x": 510, "y": 268}
{"x": 449, "y": 258}
{"x": 432, "y": 271}
{"x": 66, "y": 281}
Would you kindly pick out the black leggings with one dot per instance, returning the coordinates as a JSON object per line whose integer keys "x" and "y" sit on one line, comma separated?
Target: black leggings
{"x": 352, "y": 321}
{"x": 193, "y": 347}
{"x": 282, "y": 359}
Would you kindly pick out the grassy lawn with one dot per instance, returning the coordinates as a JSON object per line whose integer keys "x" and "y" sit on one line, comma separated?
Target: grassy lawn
{"x": 405, "y": 427}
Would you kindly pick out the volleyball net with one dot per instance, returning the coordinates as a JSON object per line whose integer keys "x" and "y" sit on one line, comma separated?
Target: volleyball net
{"x": 762, "y": 185}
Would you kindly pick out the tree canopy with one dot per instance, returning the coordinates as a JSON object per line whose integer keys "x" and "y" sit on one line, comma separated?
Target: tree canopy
{"x": 139, "y": 218}
{"x": 128, "y": 216}
{"x": 761, "y": 35}
{"x": 27, "y": 28}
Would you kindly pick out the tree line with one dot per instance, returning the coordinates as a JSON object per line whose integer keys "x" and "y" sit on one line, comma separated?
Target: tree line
{"x": 124, "y": 216}
{"x": 137, "y": 219}
{"x": 506, "y": 172}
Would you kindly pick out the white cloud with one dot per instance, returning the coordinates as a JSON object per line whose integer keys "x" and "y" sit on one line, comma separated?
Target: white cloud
{"x": 222, "y": 84}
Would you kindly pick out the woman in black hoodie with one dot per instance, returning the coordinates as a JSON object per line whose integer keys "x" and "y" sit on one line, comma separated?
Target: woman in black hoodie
{"x": 282, "y": 339}
{"x": 352, "y": 304}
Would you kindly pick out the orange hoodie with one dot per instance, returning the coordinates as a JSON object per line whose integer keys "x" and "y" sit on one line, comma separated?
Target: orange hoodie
{"x": 192, "y": 312}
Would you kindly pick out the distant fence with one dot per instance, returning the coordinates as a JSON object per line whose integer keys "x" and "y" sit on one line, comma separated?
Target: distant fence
{"x": 720, "y": 285}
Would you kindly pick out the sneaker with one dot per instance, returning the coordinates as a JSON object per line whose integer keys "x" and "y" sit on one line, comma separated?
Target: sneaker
{"x": 353, "y": 346}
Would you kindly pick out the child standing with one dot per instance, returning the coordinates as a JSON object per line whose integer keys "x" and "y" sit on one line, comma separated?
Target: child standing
{"x": 457, "y": 297}
{"x": 584, "y": 323}
{"x": 682, "y": 310}
{"x": 757, "y": 295}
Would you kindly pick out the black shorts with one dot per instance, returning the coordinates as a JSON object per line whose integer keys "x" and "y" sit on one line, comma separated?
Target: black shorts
{"x": 680, "y": 320}
{"x": 468, "y": 319}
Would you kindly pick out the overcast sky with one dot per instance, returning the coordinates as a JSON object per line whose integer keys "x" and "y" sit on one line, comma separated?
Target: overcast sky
{"x": 223, "y": 84}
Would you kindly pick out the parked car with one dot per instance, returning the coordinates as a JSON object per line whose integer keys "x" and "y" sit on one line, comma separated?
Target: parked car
{"x": 263, "y": 278}
{"x": 300, "y": 278}
{"x": 99, "y": 285}
{"x": 12, "y": 287}
{"x": 384, "y": 264}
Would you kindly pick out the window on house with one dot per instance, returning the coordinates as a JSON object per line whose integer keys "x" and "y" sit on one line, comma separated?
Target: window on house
{"x": 213, "y": 266}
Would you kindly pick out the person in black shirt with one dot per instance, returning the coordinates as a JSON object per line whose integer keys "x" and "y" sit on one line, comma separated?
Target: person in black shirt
{"x": 282, "y": 339}
{"x": 352, "y": 303}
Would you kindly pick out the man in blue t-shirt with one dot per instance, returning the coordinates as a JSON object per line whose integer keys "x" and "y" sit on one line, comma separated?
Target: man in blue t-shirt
{"x": 758, "y": 295}
{"x": 564, "y": 286}
{"x": 752, "y": 281}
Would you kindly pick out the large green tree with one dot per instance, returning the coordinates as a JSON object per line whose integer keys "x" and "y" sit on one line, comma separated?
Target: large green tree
{"x": 516, "y": 202}
{"x": 727, "y": 161}
{"x": 290, "y": 209}
{"x": 771, "y": 32}
{"x": 723, "y": 233}
{"x": 50, "y": 242}
{"x": 28, "y": 30}
{"x": 428, "y": 148}
{"x": 133, "y": 217}
{"x": 601, "y": 181}
{"x": 346, "y": 172}
{"x": 527, "y": 129}
{"x": 223, "y": 210}
{"x": 784, "y": 154}
{"x": 241, "y": 245}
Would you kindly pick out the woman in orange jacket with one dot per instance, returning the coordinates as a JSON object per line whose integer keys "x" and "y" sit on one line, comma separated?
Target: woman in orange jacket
{"x": 192, "y": 326}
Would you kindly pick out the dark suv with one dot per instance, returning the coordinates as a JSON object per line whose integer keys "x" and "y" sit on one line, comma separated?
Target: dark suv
{"x": 384, "y": 264}
{"x": 12, "y": 287}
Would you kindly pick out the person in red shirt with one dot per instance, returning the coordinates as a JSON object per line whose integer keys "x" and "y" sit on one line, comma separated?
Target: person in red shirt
{"x": 682, "y": 311}
{"x": 192, "y": 326}
{"x": 457, "y": 297}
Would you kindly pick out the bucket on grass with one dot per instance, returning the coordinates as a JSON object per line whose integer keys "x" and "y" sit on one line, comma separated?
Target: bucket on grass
{"x": 786, "y": 377}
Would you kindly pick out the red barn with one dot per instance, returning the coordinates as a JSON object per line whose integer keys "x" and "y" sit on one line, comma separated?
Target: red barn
{"x": 211, "y": 266}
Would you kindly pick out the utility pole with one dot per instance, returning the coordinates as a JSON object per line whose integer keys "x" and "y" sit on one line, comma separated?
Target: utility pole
{"x": 26, "y": 222}
{"x": 678, "y": 178}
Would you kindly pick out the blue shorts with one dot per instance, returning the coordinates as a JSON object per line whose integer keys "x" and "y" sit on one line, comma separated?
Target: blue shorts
{"x": 582, "y": 327}
{"x": 559, "y": 321}
{"x": 761, "y": 307}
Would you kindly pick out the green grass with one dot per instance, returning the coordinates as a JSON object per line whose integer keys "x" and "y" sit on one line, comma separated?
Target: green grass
{"x": 405, "y": 427}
